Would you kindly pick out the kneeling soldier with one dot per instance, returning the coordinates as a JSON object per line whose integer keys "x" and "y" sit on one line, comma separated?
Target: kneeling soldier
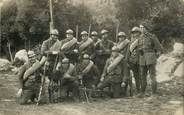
{"x": 68, "y": 80}
{"x": 30, "y": 80}
{"x": 88, "y": 74}
{"x": 112, "y": 73}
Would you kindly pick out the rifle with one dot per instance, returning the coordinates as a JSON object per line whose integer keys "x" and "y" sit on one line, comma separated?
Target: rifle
{"x": 89, "y": 30}
{"x": 77, "y": 32}
{"x": 9, "y": 50}
{"x": 117, "y": 30}
{"x": 84, "y": 89}
{"x": 42, "y": 85}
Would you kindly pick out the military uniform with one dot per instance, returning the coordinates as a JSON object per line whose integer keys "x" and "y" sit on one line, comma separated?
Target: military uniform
{"x": 133, "y": 64}
{"x": 91, "y": 77}
{"x": 68, "y": 47}
{"x": 68, "y": 80}
{"x": 86, "y": 47}
{"x": 47, "y": 50}
{"x": 113, "y": 79}
{"x": 30, "y": 85}
{"x": 148, "y": 47}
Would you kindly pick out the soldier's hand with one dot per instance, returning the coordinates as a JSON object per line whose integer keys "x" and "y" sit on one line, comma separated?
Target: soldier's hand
{"x": 19, "y": 93}
{"x": 75, "y": 51}
{"x": 55, "y": 52}
{"x": 80, "y": 76}
{"x": 102, "y": 79}
{"x": 123, "y": 84}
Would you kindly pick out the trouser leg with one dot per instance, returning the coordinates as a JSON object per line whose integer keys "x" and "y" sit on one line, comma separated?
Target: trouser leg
{"x": 143, "y": 74}
{"x": 116, "y": 90}
{"x": 135, "y": 70}
{"x": 152, "y": 72}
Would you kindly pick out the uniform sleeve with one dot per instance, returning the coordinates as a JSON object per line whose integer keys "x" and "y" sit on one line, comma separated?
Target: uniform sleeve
{"x": 20, "y": 75}
{"x": 43, "y": 48}
{"x": 157, "y": 45}
{"x": 105, "y": 67}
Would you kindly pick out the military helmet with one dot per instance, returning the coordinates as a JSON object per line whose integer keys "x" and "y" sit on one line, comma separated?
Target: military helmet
{"x": 115, "y": 49}
{"x": 65, "y": 60}
{"x": 136, "y": 29}
{"x": 121, "y": 34}
{"x": 84, "y": 33}
{"x": 86, "y": 56}
{"x": 104, "y": 31}
{"x": 69, "y": 31}
{"x": 31, "y": 54}
{"x": 54, "y": 32}
{"x": 94, "y": 33}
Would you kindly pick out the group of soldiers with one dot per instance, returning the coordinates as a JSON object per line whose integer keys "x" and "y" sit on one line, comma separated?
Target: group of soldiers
{"x": 77, "y": 69}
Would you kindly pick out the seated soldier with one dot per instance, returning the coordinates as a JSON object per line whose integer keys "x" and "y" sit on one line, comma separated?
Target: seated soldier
{"x": 88, "y": 74}
{"x": 112, "y": 73}
{"x": 68, "y": 80}
{"x": 30, "y": 80}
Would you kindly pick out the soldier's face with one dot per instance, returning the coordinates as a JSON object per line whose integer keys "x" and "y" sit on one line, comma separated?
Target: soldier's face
{"x": 54, "y": 37}
{"x": 94, "y": 37}
{"x": 86, "y": 61}
{"x": 121, "y": 38}
{"x": 104, "y": 36}
{"x": 136, "y": 34}
{"x": 84, "y": 37}
{"x": 69, "y": 35}
{"x": 32, "y": 59}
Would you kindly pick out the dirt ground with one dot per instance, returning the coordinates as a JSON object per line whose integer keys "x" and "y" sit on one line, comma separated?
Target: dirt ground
{"x": 169, "y": 101}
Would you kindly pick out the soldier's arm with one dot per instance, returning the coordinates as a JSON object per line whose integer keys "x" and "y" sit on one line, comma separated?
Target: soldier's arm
{"x": 157, "y": 45}
{"x": 44, "y": 48}
{"x": 20, "y": 75}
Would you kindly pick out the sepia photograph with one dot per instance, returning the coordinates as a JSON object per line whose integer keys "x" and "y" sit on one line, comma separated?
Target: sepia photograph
{"x": 91, "y": 57}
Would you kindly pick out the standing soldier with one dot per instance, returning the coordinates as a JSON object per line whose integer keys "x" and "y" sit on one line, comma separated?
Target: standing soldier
{"x": 50, "y": 50}
{"x": 112, "y": 73}
{"x": 88, "y": 73}
{"x": 86, "y": 45}
{"x": 103, "y": 50}
{"x": 69, "y": 46}
{"x": 122, "y": 45}
{"x": 68, "y": 79}
{"x": 149, "y": 49}
{"x": 132, "y": 56}
{"x": 30, "y": 80}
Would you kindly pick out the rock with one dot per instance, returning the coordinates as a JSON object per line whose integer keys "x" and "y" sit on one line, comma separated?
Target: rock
{"x": 20, "y": 58}
{"x": 4, "y": 65}
{"x": 179, "y": 71}
{"x": 178, "y": 50}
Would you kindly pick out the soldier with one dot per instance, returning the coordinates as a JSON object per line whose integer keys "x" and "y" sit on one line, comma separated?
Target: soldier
{"x": 122, "y": 45}
{"x": 95, "y": 38}
{"x": 112, "y": 73}
{"x": 50, "y": 50}
{"x": 149, "y": 49}
{"x": 102, "y": 50}
{"x": 69, "y": 46}
{"x": 68, "y": 79}
{"x": 30, "y": 80}
{"x": 88, "y": 73}
{"x": 86, "y": 45}
{"x": 132, "y": 56}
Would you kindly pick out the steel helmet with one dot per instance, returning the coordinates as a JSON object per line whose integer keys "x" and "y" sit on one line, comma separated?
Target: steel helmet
{"x": 54, "y": 32}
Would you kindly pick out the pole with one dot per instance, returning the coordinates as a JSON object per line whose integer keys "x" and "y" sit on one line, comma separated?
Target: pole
{"x": 51, "y": 15}
{"x": 117, "y": 30}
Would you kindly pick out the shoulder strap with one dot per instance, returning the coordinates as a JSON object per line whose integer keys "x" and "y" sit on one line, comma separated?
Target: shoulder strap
{"x": 115, "y": 62}
{"x": 69, "y": 44}
{"x": 133, "y": 45}
{"x": 56, "y": 46}
{"x": 31, "y": 69}
{"x": 88, "y": 67}
{"x": 123, "y": 44}
{"x": 85, "y": 44}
